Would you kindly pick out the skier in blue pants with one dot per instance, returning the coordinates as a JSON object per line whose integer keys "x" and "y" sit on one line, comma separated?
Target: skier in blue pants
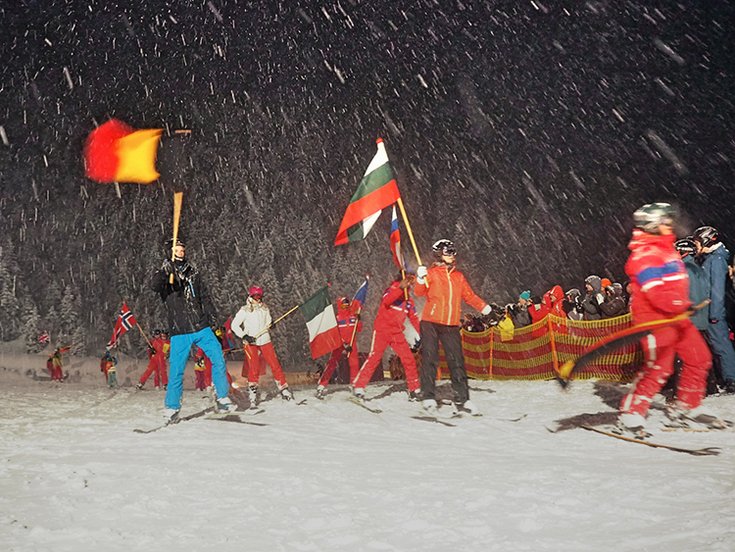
{"x": 190, "y": 316}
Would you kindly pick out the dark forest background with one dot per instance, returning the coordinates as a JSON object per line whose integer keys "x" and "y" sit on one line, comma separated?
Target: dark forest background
{"x": 526, "y": 132}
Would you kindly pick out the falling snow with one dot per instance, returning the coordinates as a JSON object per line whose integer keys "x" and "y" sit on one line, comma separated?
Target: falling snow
{"x": 525, "y": 131}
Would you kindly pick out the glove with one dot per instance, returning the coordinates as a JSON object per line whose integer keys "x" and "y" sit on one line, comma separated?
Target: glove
{"x": 249, "y": 339}
{"x": 348, "y": 348}
{"x": 152, "y": 351}
{"x": 167, "y": 266}
{"x": 416, "y": 345}
{"x": 272, "y": 325}
{"x": 487, "y": 310}
{"x": 421, "y": 273}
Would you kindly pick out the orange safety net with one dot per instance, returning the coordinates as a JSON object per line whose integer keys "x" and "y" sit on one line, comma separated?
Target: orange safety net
{"x": 535, "y": 352}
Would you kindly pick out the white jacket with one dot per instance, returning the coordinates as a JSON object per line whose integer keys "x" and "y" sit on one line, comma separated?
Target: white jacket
{"x": 252, "y": 318}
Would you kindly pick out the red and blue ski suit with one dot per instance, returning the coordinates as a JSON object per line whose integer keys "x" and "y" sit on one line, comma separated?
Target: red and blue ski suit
{"x": 660, "y": 290}
{"x": 347, "y": 319}
{"x": 388, "y": 332}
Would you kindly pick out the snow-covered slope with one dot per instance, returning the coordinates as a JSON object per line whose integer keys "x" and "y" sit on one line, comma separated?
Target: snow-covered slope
{"x": 332, "y": 476}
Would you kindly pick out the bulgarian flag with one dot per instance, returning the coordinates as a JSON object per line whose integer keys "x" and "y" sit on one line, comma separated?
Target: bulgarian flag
{"x": 395, "y": 241}
{"x": 321, "y": 323}
{"x": 377, "y": 190}
{"x": 116, "y": 152}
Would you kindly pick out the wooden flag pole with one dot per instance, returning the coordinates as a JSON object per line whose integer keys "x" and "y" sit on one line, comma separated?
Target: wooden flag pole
{"x": 178, "y": 198}
{"x": 144, "y": 336}
{"x": 359, "y": 311}
{"x": 276, "y": 321}
{"x": 410, "y": 233}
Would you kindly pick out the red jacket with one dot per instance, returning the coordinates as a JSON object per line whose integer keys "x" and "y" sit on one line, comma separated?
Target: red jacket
{"x": 538, "y": 311}
{"x": 346, "y": 320}
{"x": 393, "y": 311}
{"x": 447, "y": 289}
{"x": 554, "y": 301}
{"x": 659, "y": 280}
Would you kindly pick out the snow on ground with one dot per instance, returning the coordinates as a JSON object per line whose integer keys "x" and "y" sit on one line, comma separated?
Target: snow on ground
{"x": 332, "y": 476}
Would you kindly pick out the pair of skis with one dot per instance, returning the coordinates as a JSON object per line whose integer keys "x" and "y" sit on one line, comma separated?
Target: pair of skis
{"x": 209, "y": 414}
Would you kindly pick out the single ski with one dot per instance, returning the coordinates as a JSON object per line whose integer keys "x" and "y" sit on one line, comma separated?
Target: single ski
{"x": 708, "y": 451}
{"x": 177, "y": 419}
{"x": 361, "y": 403}
{"x": 434, "y": 419}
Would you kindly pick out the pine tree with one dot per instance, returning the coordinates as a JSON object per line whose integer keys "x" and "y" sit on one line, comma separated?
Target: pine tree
{"x": 10, "y": 325}
{"x": 31, "y": 321}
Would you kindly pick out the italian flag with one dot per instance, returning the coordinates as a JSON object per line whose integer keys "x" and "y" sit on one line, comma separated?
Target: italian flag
{"x": 377, "y": 190}
{"x": 322, "y": 324}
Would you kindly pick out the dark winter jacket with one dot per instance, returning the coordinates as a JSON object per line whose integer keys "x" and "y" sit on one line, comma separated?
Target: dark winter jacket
{"x": 614, "y": 303}
{"x": 573, "y": 304}
{"x": 699, "y": 290}
{"x": 187, "y": 300}
{"x": 520, "y": 317}
{"x": 715, "y": 267}
{"x": 591, "y": 302}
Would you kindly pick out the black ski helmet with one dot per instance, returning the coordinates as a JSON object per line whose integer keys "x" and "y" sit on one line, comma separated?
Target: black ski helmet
{"x": 706, "y": 236}
{"x": 651, "y": 215}
{"x": 443, "y": 247}
{"x": 685, "y": 246}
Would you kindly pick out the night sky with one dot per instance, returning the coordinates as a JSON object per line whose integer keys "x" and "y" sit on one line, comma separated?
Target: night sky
{"x": 526, "y": 131}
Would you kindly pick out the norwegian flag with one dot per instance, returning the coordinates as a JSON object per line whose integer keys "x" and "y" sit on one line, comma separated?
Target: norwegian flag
{"x": 125, "y": 321}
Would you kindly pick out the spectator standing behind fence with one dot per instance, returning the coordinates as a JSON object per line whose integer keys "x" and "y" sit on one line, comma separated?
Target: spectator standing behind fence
{"x": 614, "y": 303}
{"x": 554, "y": 301}
{"x": 573, "y": 304}
{"x": 519, "y": 313}
{"x": 593, "y": 298}
{"x": 714, "y": 258}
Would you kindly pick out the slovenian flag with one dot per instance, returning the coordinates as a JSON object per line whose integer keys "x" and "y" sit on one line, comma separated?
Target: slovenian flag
{"x": 361, "y": 294}
{"x": 116, "y": 152}
{"x": 321, "y": 323}
{"x": 377, "y": 190}
{"x": 125, "y": 321}
{"x": 395, "y": 241}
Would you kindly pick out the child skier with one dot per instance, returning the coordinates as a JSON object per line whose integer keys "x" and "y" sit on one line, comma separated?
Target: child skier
{"x": 251, "y": 324}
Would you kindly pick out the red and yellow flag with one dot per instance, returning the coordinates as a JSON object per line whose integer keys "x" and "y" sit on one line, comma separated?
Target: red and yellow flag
{"x": 116, "y": 152}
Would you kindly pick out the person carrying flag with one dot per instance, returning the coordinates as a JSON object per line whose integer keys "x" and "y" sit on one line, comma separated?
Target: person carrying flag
{"x": 348, "y": 322}
{"x": 191, "y": 317}
{"x": 395, "y": 307}
{"x": 444, "y": 287}
{"x": 251, "y": 324}
{"x": 156, "y": 363}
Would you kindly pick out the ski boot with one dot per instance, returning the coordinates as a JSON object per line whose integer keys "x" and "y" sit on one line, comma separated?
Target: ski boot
{"x": 469, "y": 407}
{"x": 321, "y": 391}
{"x": 171, "y": 415}
{"x": 430, "y": 407}
{"x": 286, "y": 393}
{"x": 678, "y": 416}
{"x": 253, "y": 396}
{"x": 224, "y": 406}
{"x": 139, "y": 386}
{"x": 631, "y": 425}
{"x": 414, "y": 396}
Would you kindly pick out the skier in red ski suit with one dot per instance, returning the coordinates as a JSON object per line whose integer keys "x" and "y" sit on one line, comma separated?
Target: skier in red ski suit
{"x": 156, "y": 363}
{"x": 347, "y": 318}
{"x": 388, "y": 332}
{"x": 660, "y": 290}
